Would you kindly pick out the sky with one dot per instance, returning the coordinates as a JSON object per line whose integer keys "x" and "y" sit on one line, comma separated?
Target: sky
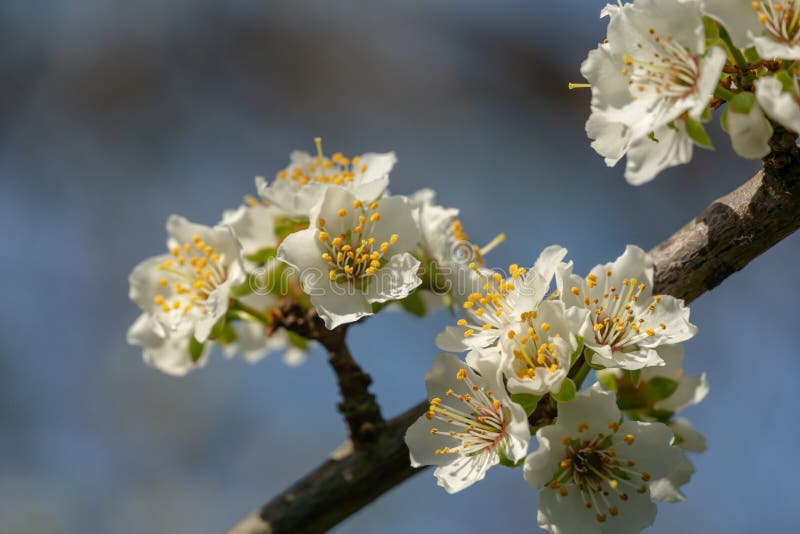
{"x": 117, "y": 114}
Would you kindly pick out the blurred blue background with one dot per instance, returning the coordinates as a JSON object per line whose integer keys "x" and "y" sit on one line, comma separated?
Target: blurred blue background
{"x": 115, "y": 114}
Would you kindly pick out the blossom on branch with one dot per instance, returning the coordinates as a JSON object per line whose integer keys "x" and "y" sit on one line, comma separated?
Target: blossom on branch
{"x": 298, "y": 187}
{"x": 772, "y": 26}
{"x": 470, "y": 426}
{"x": 652, "y": 72}
{"x": 626, "y": 322}
{"x": 354, "y": 254}
{"x": 188, "y": 289}
{"x": 595, "y": 471}
{"x": 500, "y": 302}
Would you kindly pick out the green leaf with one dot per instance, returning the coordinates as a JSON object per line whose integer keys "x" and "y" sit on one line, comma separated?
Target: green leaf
{"x": 634, "y": 377}
{"x": 527, "y": 401}
{"x": 751, "y": 54}
{"x": 742, "y": 103}
{"x": 578, "y": 351}
{"x": 262, "y": 256}
{"x": 608, "y": 379}
{"x": 697, "y": 133}
{"x": 659, "y": 388}
{"x": 567, "y": 391}
{"x": 414, "y": 304}
{"x": 195, "y": 349}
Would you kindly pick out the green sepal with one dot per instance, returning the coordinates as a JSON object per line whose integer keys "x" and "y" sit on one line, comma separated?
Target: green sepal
{"x": 414, "y": 304}
{"x": 711, "y": 31}
{"x": 742, "y": 103}
{"x": 289, "y": 225}
{"x": 242, "y": 290}
{"x": 697, "y": 133}
{"x": 707, "y": 115}
{"x": 506, "y": 461}
{"x": 527, "y": 401}
{"x": 608, "y": 379}
{"x": 751, "y": 54}
{"x": 262, "y": 256}
{"x": 297, "y": 341}
{"x": 218, "y": 328}
{"x": 588, "y": 355}
{"x": 723, "y": 121}
{"x": 227, "y": 336}
{"x": 195, "y": 349}
{"x": 634, "y": 377}
{"x": 659, "y": 388}
{"x": 578, "y": 351}
{"x": 787, "y": 81}
{"x": 567, "y": 391}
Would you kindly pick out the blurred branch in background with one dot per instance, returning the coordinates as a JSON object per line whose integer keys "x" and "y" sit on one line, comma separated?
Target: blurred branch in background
{"x": 720, "y": 241}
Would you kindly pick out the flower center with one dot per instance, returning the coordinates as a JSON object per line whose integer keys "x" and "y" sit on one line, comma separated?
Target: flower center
{"x": 530, "y": 352}
{"x": 189, "y": 277}
{"x": 616, "y": 322}
{"x": 486, "y": 310}
{"x": 781, "y": 20}
{"x": 661, "y": 68}
{"x": 336, "y": 170}
{"x": 480, "y": 419}
{"x": 595, "y": 469}
{"x": 355, "y": 254}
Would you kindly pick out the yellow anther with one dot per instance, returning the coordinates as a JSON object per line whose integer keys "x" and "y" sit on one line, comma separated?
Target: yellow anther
{"x": 373, "y": 206}
{"x": 545, "y": 326}
{"x": 358, "y": 204}
{"x": 496, "y": 404}
{"x": 321, "y": 222}
{"x": 196, "y": 238}
{"x": 650, "y": 332}
{"x": 375, "y": 217}
{"x": 176, "y": 304}
{"x": 393, "y": 239}
{"x": 159, "y": 299}
{"x": 163, "y": 282}
{"x": 342, "y": 212}
{"x": 323, "y": 236}
{"x": 511, "y": 334}
{"x": 469, "y": 332}
{"x": 582, "y": 426}
{"x": 332, "y": 275}
{"x": 337, "y": 242}
{"x": 575, "y": 290}
{"x": 629, "y": 439}
{"x": 462, "y": 322}
{"x": 461, "y": 374}
{"x": 598, "y": 326}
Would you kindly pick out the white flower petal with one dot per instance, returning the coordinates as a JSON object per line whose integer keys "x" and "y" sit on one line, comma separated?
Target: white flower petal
{"x": 750, "y": 133}
{"x": 781, "y": 106}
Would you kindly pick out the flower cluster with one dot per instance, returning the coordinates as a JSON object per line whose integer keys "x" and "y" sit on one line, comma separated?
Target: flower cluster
{"x": 667, "y": 65}
{"x": 532, "y": 337}
{"x": 325, "y": 233}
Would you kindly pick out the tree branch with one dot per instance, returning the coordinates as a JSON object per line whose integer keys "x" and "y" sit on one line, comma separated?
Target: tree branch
{"x": 724, "y": 238}
{"x": 358, "y": 406}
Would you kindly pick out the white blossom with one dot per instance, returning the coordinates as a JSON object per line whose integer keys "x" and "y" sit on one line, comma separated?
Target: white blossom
{"x": 298, "y": 187}
{"x": 165, "y": 350}
{"x": 188, "y": 288}
{"x": 354, "y": 254}
{"x": 750, "y": 131}
{"x": 501, "y": 302}
{"x": 652, "y": 71}
{"x": 595, "y": 471}
{"x": 471, "y": 424}
{"x": 772, "y": 26}
{"x": 626, "y": 322}
{"x": 781, "y": 106}
{"x": 254, "y": 226}
{"x": 536, "y": 352}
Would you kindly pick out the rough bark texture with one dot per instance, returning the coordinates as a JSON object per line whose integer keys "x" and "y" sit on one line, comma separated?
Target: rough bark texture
{"x": 724, "y": 238}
